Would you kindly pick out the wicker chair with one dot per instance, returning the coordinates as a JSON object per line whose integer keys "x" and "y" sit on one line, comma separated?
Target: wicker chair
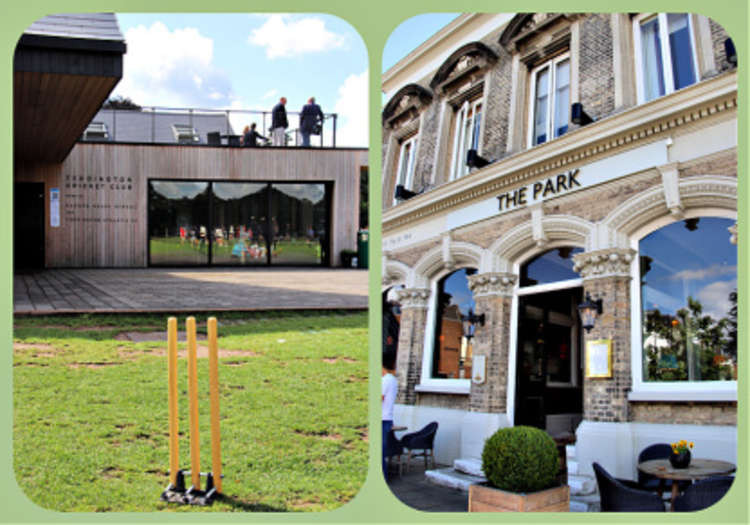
{"x": 393, "y": 447}
{"x": 423, "y": 440}
{"x": 618, "y": 496}
{"x": 702, "y": 494}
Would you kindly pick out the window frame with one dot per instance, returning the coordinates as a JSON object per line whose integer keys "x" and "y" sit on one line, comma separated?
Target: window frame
{"x": 667, "y": 390}
{"x": 666, "y": 53}
{"x": 458, "y": 158}
{"x": 552, "y": 64}
{"x": 413, "y": 140}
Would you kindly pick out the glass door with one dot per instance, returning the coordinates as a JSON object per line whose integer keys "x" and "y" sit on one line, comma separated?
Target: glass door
{"x": 298, "y": 229}
{"x": 240, "y": 216}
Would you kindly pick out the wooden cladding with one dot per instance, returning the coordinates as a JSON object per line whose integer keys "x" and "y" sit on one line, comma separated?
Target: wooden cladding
{"x": 104, "y": 192}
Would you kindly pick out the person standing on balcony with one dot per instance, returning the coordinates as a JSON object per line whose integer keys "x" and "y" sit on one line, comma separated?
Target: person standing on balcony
{"x": 310, "y": 121}
{"x": 279, "y": 123}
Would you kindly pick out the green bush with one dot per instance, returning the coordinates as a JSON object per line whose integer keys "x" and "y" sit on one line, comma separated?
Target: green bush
{"x": 520, "y": 459}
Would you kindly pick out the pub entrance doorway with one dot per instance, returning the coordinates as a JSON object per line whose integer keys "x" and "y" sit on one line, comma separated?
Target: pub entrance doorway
{"x": 549, "y": 392}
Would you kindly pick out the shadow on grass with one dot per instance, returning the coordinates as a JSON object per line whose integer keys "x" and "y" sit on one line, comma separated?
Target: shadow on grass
{"x": 237, "y": 504}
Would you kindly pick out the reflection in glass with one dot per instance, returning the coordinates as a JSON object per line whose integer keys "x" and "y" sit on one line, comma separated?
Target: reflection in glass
{"x": 549, "y": 267}
{"x": 451, "y": 351}
{"x": 689, "y": 301}
{"x": 239, "y": 223}
{"x": 178, "y": 223}
{"x": 298, "y": 231}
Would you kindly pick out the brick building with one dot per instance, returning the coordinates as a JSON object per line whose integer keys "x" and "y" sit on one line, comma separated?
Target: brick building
{"x": 534, "y": 161}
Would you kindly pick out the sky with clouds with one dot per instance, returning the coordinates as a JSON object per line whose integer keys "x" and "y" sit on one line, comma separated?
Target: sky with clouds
{"x": 247, "y": 61}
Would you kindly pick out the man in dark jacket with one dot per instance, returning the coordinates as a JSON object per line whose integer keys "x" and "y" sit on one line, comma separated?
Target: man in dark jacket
{"x": 310, "y": 121}
{"x": 279, "y": 123}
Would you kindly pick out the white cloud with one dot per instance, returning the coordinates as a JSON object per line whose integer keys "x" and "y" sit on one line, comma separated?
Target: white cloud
{"x": 270, "y": 93}
{"x": 352, "y": 108}
{"x": 715, "y": 298}
{"x": 283, "y": 37}
{"x": 172, "y": 68}
{"x": 715, "y": 270}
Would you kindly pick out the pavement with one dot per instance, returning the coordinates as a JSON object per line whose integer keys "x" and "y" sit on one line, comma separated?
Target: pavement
{"x": 59, "y": 291}
{"x": 413, "y": 490}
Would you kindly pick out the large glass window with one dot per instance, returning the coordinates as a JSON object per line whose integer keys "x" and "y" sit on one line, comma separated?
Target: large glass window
{"x": 550, "y": 267}
{"x": 665, "y": 49}
{"x": 451, "y": 357}
{"x": 238, "y": 223}
{"x": 299, "y": 224}
{"x": 468, "y": 122}
{"x": 688, "y": 283}
{"x": 551, "y": 101}
{"x": 178, "y": 224}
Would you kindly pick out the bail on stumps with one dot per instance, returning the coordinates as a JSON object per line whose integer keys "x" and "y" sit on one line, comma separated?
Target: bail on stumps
{"x": 176, "y": 491}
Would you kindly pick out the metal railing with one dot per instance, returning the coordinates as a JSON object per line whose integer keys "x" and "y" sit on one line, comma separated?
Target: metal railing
{"x": 166, "y": 125}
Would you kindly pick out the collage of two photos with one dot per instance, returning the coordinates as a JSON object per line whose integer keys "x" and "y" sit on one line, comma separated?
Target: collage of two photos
{"x": 557, "y": 245}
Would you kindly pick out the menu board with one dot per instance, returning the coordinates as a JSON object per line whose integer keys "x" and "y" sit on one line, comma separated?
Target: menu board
{"x": 599, "y": 358}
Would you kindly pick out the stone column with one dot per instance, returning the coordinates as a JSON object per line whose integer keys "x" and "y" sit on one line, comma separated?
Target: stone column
{"x": 411, "y": 334}
{"x": 493, "y": 293}
{"x": 606, "y": 276}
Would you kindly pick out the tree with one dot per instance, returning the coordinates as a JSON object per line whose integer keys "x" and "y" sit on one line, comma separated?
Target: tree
{"x": 120, "y": 102}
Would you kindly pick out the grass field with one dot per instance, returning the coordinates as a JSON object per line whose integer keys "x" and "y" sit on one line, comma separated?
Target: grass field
{"x": 90, "y": 411}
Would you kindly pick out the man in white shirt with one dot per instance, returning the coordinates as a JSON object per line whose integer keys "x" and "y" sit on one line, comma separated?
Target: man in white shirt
{"x": 389, "y": 389}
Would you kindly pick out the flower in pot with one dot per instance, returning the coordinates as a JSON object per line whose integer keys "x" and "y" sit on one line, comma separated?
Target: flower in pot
{"x": 521, "y": 465}
{"x": 680, "y": 457}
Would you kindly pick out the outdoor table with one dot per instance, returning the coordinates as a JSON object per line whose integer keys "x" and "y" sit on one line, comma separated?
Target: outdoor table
{"x": 398, "y": 428}
{"x": 699, "y": 468}
{"x": 232, "y": 140}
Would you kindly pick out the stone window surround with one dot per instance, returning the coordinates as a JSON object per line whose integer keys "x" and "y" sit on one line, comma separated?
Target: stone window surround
{"x": 522, "y": 102}
{"x": 626, "y": 63}
{"x": 677, "y": 390}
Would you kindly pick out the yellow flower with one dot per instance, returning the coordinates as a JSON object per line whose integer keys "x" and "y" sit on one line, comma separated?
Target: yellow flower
{"x": 691, "y": 444}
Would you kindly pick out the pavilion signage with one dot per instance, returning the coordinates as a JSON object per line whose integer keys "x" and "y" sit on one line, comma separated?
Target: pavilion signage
{"x": 539, "y": 190}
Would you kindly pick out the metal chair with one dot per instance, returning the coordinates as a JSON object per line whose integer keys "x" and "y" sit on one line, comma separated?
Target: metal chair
{"x": 617, "y": 496}
{"x": 393, "y": 447}
{"x": 702, "y": 494}
{"x": 423, "y": 440}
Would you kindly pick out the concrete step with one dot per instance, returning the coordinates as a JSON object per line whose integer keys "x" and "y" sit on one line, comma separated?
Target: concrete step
{"x": 471, "y": 466}
{"x": 449, "y": 477}
{"x": 570, "y": 451}
{"x": 572, "y": 466}
{"x": 581, "y": 485}
{"x": 589, "y": 503}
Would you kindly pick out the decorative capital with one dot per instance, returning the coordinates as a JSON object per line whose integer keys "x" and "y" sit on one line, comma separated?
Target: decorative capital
{"x": 492, "y": 283}
{"x": 413, "y": 297}
{"x": 604, "y": 263}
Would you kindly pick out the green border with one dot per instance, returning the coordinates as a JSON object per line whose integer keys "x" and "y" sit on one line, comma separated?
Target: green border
{"x": 374, "y": 21}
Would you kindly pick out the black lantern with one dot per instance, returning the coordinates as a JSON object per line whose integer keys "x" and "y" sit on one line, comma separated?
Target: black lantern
{"x": 470, "y": 321}
{"x": 588, "y": 310}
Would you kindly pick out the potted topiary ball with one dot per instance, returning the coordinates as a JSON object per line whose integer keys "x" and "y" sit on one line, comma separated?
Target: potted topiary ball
{"x": 521, "y": 465}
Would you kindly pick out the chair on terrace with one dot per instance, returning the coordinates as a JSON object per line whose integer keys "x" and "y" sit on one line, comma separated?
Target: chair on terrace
{"x": 649, "y": 482}
{"x": 423, "y": 440}
{"x": 702, "y": 494}
{"x": 618, "y": 495}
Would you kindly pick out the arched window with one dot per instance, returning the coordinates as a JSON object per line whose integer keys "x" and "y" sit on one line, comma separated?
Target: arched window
{"x": 549, "y": 267}
{"x": 451, "y": 353}
{"x": 688, "y": 291}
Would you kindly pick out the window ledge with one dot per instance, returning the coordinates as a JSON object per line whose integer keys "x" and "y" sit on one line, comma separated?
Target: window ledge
{"x": 684, "y": 395}
{"x": 444, "y": 389}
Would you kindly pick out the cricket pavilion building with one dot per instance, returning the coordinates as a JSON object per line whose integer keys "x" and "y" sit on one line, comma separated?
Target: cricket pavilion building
{"x": 535, "y": 164}
{"x": 139, "y": 187}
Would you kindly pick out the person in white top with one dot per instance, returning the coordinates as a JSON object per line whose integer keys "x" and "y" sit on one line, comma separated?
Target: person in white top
{"x": 389, "y": 389}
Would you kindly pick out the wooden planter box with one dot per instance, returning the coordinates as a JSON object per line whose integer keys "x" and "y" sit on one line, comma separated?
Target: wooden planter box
{"x": 483, "y": 498}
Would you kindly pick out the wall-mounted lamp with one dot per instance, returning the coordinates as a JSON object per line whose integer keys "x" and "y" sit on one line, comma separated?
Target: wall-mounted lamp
{"x": 469, "y": 323}
{"x": 589, "y": 309}
{"x": 578, "y": 115}
{"x": 404, "y": 194}
{"x": 730, "y": 52}
{"x": 473, "y": 160}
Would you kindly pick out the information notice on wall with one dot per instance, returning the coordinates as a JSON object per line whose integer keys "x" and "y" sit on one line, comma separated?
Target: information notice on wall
{"x": 54, "y": 207}
{"x": 599, "y": 358}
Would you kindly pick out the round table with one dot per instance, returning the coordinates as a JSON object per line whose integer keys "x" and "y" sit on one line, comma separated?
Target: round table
{"x": 699, "y": 468}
